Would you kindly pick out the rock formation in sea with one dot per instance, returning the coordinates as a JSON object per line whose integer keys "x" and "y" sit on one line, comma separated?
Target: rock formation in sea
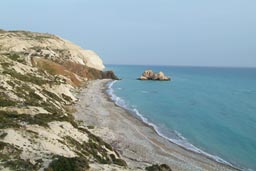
{"x": 150, "y": 75}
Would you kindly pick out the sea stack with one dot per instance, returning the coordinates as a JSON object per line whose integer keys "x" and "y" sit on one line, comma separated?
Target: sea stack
{"x": 150, "y": 75}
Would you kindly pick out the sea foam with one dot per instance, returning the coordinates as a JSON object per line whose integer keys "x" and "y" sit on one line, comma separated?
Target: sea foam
{"x": 179, "y": 139}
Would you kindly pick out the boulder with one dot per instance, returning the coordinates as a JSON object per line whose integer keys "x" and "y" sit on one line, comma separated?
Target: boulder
{"x": 161, "y": 76}
{"x": 143, "y": 78}
{"x": 155, "y": 76}
{"x": 150, "y": 75}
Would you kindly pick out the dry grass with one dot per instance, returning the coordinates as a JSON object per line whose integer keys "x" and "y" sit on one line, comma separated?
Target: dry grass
{"x": 56, "y": 69}
{"x": 82, "y": 70}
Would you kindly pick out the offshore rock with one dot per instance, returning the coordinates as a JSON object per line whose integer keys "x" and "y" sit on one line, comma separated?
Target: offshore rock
{"x": 150, "y": 75}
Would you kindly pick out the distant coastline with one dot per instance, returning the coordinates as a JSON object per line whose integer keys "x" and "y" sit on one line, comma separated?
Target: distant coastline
{"x": 192, "y": 66}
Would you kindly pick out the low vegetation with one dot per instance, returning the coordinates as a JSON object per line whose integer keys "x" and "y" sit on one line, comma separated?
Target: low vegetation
{"x": 26, "y": 78}
{"x": 5, "y": 101}
{"x": 10, "y": 158}
{"x": 14, "y": 57}
{"x": 62, "y": 163}
{"x": 156, "y": 167}
{"x": 54, "y": 68}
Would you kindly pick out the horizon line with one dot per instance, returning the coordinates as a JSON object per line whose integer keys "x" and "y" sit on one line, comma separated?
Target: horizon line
{"x": 199, "y": 66}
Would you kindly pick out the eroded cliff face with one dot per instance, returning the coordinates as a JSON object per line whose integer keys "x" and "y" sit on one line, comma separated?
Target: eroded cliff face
{"x": 39, "y": 77}
{"x": 48, "y": 46}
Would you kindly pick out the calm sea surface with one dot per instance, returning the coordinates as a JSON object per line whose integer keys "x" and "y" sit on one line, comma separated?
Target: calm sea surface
{"x": 208, "y": 110}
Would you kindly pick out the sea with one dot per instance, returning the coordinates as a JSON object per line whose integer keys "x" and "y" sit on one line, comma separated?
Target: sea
{"x": 208, "y": 110}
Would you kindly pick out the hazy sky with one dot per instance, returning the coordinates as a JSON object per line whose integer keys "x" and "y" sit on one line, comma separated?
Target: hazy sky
{"x": 162, "y": 32}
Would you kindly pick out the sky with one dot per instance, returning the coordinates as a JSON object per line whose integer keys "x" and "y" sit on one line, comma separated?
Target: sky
{"x": 146, "y": 32}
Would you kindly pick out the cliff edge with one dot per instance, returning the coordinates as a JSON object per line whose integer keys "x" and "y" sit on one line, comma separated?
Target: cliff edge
{"x": 40, "y": 75}
{"x": 48, "y": 46}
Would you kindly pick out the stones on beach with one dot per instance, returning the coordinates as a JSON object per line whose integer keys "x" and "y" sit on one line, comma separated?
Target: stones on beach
{"x": 150, "y": 75}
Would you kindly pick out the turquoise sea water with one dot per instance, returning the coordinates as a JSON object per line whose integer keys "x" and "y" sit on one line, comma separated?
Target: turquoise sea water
{"x": 208, "y": 110}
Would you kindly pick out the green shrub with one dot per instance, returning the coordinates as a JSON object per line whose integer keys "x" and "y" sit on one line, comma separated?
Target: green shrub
{"x": 116, "y": 161}
{"x": 68, "y": 164}
{"x": 3, "y": 135}
{"x": 25, "y": 78}
{"x": 52, "y": 95}
{"x": 14, "y": 57}
{"x": 7, "y": 121}
{"x": 156, "y": 167}
{"x": 67, "y": 98}
{"x": 2, "y": 145}
{"x": 13, "y": 120}
{"x": 10, "y": 83}
{"x": 90, "y": 127}
{"x": 6, "y": 102}
{"x": 20, "y": 165}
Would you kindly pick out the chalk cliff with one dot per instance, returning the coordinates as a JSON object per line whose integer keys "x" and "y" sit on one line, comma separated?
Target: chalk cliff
{"x": 48, "y": 46}
{"x": 40, "y": 75}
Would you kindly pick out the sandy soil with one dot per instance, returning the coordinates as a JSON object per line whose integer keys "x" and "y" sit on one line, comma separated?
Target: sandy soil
{"x": 137, "y": 143}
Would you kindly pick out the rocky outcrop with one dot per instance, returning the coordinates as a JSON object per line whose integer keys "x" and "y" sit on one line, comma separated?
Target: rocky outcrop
{"x": 39, "y": 77}
{"x": 150, "y": 75}
{"x": 54, "y": 55}
{"x": 109, "y": 74}
{"x": 48, "y": 46}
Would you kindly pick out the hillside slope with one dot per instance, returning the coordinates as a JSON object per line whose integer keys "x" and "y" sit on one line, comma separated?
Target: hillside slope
{"x": 47, "y": 46}
{"x": 40, "y": 75}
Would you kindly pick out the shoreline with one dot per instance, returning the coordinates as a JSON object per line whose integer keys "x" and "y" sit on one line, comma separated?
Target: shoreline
{"x": 137, "y": 142}
{"x": 138, "y": 116}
